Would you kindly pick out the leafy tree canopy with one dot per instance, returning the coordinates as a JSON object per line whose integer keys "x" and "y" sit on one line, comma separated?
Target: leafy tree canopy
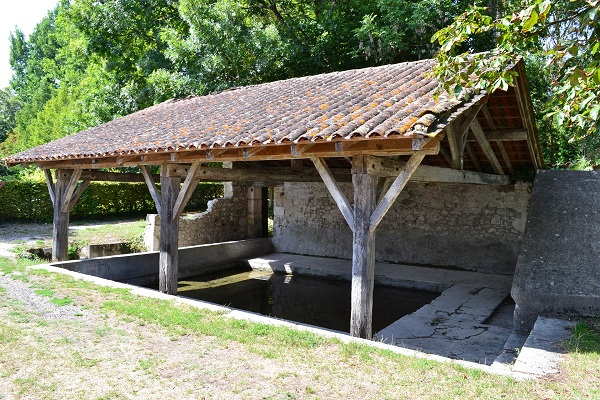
{"x": 564, "y": 36}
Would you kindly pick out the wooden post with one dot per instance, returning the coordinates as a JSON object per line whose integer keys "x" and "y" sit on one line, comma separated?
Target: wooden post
{"x": 363, "y": 249}
{"x": 169, "y": 232}
{"x": 63, "y": 200}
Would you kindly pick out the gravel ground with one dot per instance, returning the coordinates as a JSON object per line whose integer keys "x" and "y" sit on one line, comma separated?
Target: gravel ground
{"x": 40, "y": 305}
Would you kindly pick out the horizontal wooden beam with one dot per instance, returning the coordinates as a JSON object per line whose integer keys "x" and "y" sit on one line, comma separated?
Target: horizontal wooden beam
{"x": 508, "y": 135}
{"x": 379, "y": 166}
{"x": 284, "y": 151}
{"x": 102, "y": 176}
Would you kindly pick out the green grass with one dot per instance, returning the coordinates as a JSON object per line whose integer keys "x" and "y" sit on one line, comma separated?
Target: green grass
{"x": 44, "y": 292}
{"x": 64, "y": 301}
{"x": 304, "y": 353}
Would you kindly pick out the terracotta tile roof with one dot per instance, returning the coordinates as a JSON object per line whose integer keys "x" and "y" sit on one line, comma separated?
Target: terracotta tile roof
{"x": 366, "y": 103}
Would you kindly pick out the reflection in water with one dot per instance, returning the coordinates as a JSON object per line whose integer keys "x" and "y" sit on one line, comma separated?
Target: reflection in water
{"x": 315, "y": 301}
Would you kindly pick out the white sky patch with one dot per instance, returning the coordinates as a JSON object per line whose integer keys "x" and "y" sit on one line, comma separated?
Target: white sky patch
{"x": 22, "y": 13}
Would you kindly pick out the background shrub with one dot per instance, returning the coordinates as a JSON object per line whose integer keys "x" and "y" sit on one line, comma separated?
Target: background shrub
{"x": 26, "y": 199}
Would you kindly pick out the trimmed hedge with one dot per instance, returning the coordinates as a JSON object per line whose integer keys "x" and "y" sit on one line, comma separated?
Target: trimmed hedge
{"x": 30, "y": 200}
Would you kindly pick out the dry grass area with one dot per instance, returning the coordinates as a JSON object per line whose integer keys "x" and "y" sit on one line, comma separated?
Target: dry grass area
{"x": 67, "y": 339}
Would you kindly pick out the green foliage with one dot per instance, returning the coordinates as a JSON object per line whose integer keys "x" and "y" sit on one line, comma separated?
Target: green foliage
{"x": 399, "y": 30}
{"x": 563, "y": 35}
{"x": 29, "y": 200}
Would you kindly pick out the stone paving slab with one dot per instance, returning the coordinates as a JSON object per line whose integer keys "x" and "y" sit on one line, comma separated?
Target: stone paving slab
{"x": 544, "y": 347}
{"x": 453, "y": 325}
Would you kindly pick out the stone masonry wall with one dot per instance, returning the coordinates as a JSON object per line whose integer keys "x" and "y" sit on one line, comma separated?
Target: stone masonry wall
{"x": 474, "y": 227}
{"x": 224, "y": 220}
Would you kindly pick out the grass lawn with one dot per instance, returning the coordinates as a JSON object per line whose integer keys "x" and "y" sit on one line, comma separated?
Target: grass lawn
{"x": 62, "y": 338}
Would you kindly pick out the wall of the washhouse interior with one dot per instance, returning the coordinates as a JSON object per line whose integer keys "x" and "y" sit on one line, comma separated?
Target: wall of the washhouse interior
{"x": 473, "y": 227}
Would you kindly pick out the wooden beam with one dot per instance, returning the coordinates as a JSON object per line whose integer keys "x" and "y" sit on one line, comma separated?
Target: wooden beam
{"x": 394, "y": 190}
{"x": 446, "y": 156}
{"x": 380, "y": 166}
{"x": 66, "y": 181}
{"x": 169, "y": 232}
{"x": 363, "y": 250}
{"x": 427, "y": 173}
{"x": 506, "y": 158}
{"x": 488, "y": 118}
{"x": 103, "y": 176}
{"x": 187, "y": 189}
{"x": 505, "y": 135}
{"x": 50, "y": 184}
{"x": 390, "y": 146}
{"x": 152, "y": 188}
{"x": 78, "y": 193}
{"x": 334, "y": 190}
{"x": 486, "y": 147}
{"x": 472, "y": 156}
{"x": 71, "y": 186}
{"x": 528, "y": 116}
{"x": 456, "y": 146}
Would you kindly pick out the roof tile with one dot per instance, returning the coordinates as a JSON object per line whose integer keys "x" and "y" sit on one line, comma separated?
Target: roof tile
{"x": 372, "y": 102}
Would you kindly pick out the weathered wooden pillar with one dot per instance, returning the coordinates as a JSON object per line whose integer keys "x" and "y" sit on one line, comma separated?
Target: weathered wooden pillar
{"x": 168, "y": 271}
{"x": 363, "y": 219}
{"x": 363, "y": 249}
{"x": 60, "y": 229}
{"x": 170, "y": 202}
{"x": 64, "y": 196}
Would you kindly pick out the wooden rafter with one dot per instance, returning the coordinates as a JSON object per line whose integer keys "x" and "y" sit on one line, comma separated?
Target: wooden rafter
{"x": 485, "y": 146}
{"x": 187, "y": 189}
{"x": 335, "y": 190}
{"x": 152, "y": 188}
{"x": 394, "y": 191}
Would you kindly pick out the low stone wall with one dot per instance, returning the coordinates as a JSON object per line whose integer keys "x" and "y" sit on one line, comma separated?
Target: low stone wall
{"x": 224, "y": 220}
{"x": 557, "y": 271}
{"x": 142, "y": 268}
{"x": 474, "y": 227}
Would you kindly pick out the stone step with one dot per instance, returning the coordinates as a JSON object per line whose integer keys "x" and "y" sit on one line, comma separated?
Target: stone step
{"x": 544, "y": 347}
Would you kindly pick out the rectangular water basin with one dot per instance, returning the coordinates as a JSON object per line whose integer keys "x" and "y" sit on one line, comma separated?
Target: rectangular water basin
{"x": 315, "y": 301}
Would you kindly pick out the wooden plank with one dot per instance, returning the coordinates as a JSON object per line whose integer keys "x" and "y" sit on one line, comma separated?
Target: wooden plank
{"x": 334, "y": 190}
{"x": 505, "y": 135}
{"x": 472, "y": 156}
{"x": 456, "y": 146}
{"x": 284, "y": 151}
{"x": 50, "y": 184}
{"x": 187, "y": 189}
{"x": 152, "y": 188}
{"x": 446, "y": 156}
{"x": 380, "y": 166}
{"x": 387, "y": 182}
{"x": 78, "y": 193}
{"x": 427, "y": 173}
{"x": 103, "y": 176}
{"x": 488, "y": 118}
{"x": 71, "y": 186}
{"x": 363, "y": 252}
{"x": 169, "y": 233}
{"x": 528, "y": 117}
{"x": 506, "y": 158}
{"x": 394, "y": 190}
{"x": 486, "y": 147}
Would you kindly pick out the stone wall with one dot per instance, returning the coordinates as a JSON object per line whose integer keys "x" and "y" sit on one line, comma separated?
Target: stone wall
{"x": 225, "y": 219}
{"x": 474, "y": 227}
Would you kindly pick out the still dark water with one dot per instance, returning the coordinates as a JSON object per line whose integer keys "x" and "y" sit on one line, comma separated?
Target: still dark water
{"x": 315, "y": 301}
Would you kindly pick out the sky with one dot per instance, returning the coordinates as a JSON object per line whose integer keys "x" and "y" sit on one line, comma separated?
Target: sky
{"x": 22, "y": 13}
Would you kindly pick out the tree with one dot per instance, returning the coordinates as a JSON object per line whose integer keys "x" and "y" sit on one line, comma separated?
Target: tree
{"x": 565, "y": 34}
{"x": 9, "y": 106}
